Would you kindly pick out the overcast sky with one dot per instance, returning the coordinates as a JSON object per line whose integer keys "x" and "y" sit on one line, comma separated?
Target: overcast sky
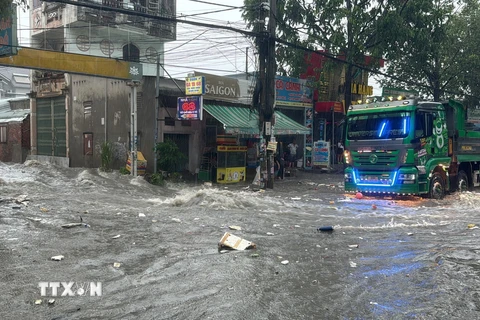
{"x": 202, "y": 49}
{"x": 209, "y": 50}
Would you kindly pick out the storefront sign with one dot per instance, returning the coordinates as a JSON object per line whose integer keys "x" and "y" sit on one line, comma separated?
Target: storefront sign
{"x": 322, "y": 125}
{"x": 195, "y": 86}
{"x": 393, "y": 92}
{"x": 272, "y": 146}
{"x": 8, "y": 33}
{"x": 231, "y": 148}
{"x": 190, "y": 108}
{"x": 361, "y": 89}
{"x": 218, "y": 87}
{"x": 321, "y": 153}
{"x": 292, "y": 92}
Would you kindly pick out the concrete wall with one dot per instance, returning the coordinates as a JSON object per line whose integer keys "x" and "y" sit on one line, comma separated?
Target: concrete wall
{"x": 102, "y": 107}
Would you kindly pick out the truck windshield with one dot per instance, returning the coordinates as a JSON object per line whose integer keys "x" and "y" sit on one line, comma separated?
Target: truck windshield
{"x": 389, "y": 125}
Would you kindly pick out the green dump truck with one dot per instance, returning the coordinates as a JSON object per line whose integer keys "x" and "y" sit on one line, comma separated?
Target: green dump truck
{"x": 412, "y": 147}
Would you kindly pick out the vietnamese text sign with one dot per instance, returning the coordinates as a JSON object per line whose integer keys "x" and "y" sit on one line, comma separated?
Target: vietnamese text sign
{"x": 195, "y": 86}
{"x": 321, "y": 153}
{"x": 8, "y": 33}
{"x": 190, "y": 108}
{"x": 292, "y": 92}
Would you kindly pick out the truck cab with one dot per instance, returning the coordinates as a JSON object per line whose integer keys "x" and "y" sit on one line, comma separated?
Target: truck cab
{"x": 409, "y": 147}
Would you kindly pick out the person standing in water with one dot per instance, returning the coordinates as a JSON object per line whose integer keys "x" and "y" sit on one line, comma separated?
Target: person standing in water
{"x": 292, "y": 153}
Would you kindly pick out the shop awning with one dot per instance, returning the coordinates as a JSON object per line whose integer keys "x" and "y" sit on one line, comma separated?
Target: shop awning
{"x": 238, "y": 120}
{"x": 286, "y": 125}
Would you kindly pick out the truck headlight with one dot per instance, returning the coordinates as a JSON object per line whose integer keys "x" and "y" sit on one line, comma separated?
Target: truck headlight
{"x": 407, "y": 177}
{"x": 348, "y": 177}
{"x": 347, "y": 157}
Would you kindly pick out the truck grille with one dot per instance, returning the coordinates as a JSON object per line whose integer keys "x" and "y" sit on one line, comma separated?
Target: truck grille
{"x": 375, "y": 159}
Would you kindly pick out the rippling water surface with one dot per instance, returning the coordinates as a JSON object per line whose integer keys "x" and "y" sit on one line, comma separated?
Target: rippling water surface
{"x": 409, "y": 258}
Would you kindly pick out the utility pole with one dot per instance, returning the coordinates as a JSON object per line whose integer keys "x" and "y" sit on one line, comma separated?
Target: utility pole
{"x": 271, "y": 71}
{"x": 246, "y": 63}
{"x": 157, "y": 107}
{"x": 260, "y": 89}
{"x": 133, "y": 129}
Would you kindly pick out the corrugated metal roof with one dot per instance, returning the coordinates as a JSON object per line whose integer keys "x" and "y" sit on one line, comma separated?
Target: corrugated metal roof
{"x": 9, "y": 115}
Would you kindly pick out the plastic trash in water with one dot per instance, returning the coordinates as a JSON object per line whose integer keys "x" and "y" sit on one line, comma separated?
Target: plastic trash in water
{"x": 325, "y": 229}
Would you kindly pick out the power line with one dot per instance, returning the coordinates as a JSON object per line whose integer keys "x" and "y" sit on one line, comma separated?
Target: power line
{"x": 217, "y": 4}
{"x": 244, "y": 32}
{"x": 147, "y": 15}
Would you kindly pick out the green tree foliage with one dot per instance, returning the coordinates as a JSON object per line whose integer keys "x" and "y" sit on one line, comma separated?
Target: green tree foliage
{"x": 347, "y": 28}
{"x": 468, "y": 26}
{"x": 169, "y": 156}
{"x": 424, "y": 42}
{"x": 5, "y": 6}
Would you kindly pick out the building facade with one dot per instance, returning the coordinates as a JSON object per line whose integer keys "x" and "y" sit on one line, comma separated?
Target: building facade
{"x": 14, "y": 82}
{"x": 14, "y": 129}
{"x": 73, "y": 115}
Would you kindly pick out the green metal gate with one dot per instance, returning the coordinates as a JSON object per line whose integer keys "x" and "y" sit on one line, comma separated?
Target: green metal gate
{"x": 51, "y": 127}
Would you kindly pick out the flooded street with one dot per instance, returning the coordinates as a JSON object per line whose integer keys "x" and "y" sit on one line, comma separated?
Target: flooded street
{"x": 386, "y": 258}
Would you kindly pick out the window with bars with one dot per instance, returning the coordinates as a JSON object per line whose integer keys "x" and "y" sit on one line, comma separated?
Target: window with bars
{"x": 3, "y": 134}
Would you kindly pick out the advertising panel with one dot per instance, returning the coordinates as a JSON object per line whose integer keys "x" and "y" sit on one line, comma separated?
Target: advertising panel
{"x": 8, "y": 33}
{"x": 195, "y": 86}
{"x": 292, "y": 92}
{"x": 321, "y": 153}
{"x": 190, "y": 108}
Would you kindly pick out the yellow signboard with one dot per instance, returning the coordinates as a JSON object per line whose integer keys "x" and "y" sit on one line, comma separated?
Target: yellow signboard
{"x": 70, "y": 63}
{"x": 195, "y": 86}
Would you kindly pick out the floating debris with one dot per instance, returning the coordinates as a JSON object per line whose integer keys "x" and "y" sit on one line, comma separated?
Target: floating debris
{"x": 232, "y": 241}
{"x": 353, "y": 245}
{"x": 117, "y": 236}
{"x": 353, "y": 264}
{"x": 57, "y": 258}
{"x": 22, "y": 200}
{"x": 325, "y": 229}
{"x": 73, "y": 225}
{"x": 284, "y": 262}
{"x": 235, "y": 228}
{"x": 270, "y": 234}
{"x": 117, "y": 265}
{"x": 38, "y": 302}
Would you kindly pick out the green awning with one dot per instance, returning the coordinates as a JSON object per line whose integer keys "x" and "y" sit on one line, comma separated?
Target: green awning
{"x": 238, "y": 120}
{"x": 286, "y": 125}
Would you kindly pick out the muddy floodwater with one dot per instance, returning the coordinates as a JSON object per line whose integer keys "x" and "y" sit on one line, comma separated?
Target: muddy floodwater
{"x": 152, "y": 252}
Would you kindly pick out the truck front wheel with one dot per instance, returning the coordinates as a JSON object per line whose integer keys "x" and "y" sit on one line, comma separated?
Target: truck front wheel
{"x": 462, "y": 181}
{"x": 437, "y": 186}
